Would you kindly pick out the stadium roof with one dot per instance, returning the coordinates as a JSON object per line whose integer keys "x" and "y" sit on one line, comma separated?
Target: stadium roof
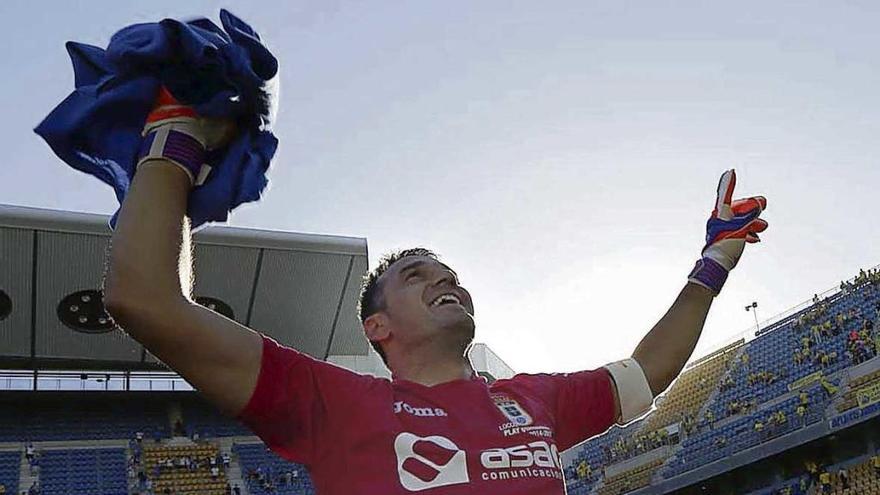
{"x": 300, "y": 289}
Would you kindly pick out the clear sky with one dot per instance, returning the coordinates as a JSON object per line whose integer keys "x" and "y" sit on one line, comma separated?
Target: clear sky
{"x": 561, "y": 156}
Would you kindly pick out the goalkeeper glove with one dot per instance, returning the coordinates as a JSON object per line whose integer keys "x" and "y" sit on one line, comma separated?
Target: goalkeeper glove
{"x": 731, "y": 225}
{"x": 176, "y": 133}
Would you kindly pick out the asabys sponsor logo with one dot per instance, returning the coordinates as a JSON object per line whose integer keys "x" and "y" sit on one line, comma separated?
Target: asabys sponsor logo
{"x": 534, "y": 460}
{"x": 429, "y": 462}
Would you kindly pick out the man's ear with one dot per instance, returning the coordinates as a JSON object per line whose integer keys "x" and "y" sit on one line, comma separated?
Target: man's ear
{"x": 376, "y": 327}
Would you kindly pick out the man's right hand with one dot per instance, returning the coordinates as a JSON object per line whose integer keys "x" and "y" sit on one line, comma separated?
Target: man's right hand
{"x": 175, "y": 133}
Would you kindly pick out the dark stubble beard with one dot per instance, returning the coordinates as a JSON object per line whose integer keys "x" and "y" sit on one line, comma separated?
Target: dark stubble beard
{"x": 463, "y": 331}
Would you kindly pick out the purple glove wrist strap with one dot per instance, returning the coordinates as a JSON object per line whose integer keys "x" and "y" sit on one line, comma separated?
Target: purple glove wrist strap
{"x": 709, "y": 273}
{"x": 176, "y": 146}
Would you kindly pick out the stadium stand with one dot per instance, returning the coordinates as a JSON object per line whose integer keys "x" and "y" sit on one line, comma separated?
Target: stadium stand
{"x": 750, "y": 418}
{"x": 807, "y": 367}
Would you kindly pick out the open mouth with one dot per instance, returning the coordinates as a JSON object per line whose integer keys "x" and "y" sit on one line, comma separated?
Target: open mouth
{"x": 447, "y": 299}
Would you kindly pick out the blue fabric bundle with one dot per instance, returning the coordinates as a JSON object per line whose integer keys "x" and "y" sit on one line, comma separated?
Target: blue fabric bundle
{"x": 219, "y": 72}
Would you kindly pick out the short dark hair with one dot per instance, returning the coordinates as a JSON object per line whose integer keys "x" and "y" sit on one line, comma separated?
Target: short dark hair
{"x": 371, "y": 298}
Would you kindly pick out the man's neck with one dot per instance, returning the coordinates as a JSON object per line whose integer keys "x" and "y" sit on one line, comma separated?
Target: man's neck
{"x": 430, "y": 372}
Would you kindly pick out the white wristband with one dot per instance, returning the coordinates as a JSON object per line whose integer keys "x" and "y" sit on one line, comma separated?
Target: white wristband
{"x": 633, "y": 391}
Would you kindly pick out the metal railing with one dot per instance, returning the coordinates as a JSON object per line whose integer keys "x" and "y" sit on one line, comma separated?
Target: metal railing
{"x": 93, "y": 381}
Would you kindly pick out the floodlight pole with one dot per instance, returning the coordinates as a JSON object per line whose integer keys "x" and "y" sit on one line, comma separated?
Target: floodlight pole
{"x": 754, "y": 309}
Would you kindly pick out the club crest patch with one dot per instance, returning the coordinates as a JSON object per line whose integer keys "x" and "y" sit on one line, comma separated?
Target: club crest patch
{"x": 512, "y": 410}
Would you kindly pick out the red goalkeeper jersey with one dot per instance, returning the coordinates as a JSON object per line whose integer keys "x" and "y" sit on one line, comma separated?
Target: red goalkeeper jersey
{"x": 363, "y": 435}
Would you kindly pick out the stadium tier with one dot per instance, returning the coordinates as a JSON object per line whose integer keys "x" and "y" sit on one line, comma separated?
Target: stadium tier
{"x": 809, "y": 374}
{"x": 69, "y": 416}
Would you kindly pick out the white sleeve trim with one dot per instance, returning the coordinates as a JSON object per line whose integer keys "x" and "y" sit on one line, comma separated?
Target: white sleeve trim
{"x": 633, "y": 391}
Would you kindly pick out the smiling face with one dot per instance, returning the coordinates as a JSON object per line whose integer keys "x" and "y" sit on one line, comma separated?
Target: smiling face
{"x": 423, "y": 303}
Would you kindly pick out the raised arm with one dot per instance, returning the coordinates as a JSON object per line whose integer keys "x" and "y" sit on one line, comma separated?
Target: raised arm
{"x": 148, "y": 284}
{"x": 667, "y": 347}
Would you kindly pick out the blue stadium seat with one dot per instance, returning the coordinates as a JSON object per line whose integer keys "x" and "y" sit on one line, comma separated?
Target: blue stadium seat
{"x": 10, "y": 466}
{"x": 208, "y": 422}
{"x": 100, "y": 471}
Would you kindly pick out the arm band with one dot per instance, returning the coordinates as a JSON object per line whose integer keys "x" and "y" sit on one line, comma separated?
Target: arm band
{"x": 177, "y": 144}
{"x": 633, "y": 391}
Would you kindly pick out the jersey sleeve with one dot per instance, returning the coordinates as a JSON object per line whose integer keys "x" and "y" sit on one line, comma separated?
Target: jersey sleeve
{"x": 582, "y": 403}
{"x": 291, "y": 403}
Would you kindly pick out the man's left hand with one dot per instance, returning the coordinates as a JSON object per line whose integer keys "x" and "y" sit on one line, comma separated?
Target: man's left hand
{"x": 733, "y": 223}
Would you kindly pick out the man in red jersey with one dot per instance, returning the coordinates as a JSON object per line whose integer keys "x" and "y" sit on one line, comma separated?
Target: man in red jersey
{"x": 436, "y": 427}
